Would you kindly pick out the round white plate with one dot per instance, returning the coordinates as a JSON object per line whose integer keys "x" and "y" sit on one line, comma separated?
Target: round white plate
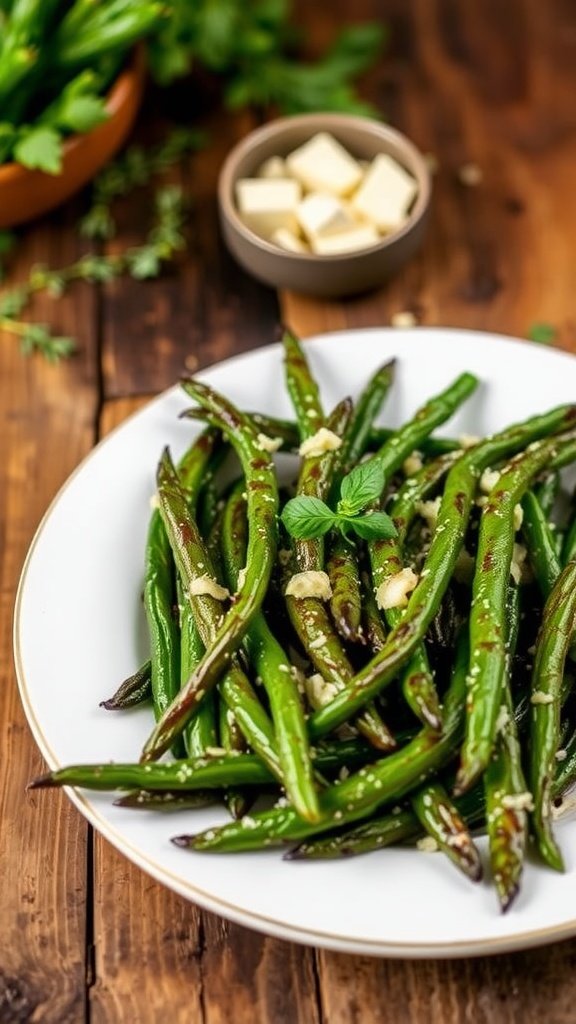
{"x": 79, "y": 630}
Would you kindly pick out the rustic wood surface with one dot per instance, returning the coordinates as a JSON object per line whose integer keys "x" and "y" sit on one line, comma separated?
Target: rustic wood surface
{"x": 84, "y": 935}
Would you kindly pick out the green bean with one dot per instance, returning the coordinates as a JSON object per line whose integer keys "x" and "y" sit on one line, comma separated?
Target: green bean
{"x": 232, "y": 741}
{"x": 540, "y": 542}
{"x": 194, "y": 564}
{"x": 442, "y": 821}
{"x": 429, "y": 446}
{"x": 565, "y": 773}
{"x": 314, "y": 481}
{"x": 555, "y": 636}
{"x": 366, "y": 409}
{"x": 176, "y": 776}
{"x": 386, "y": 560}
{"x": 395, "y": 826}
{"x": 346, "y": 601}
{"x": 437, "y": 410}
{"x": 453, "y": 516}
{"x": 417, "y": 680}
{"x": 200, "y": 731}
{"x": 134, "y": 690}
{"x": 322, "y": 646}
{"x": 308, "y": 615}
{"x": 360, "y": 794}
{"x": 372, "y": 625}
{"x": 302, "y": 387}
{"x": 118, "y": 33}
{"x": 262, "y": 494}
{"x": 504, "y": 784}
{"x": 159, "y": 601}
{"x": 488, "y": 613}
{"x": 167, "y": 800}
{"x": 272, "y": 666}
{"x": 547, "y": 491}
{"x": 399, "y": 825}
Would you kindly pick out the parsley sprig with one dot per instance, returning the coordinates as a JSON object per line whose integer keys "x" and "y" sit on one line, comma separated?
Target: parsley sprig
{"x": 307, "y": 517}
{"x": 164, "y": 240}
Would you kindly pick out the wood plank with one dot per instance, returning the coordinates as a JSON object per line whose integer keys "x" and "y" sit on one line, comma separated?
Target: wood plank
{"x": 534, "y": 986}
{"x": 204, "y": 308}
{"x": 47, "y": 425}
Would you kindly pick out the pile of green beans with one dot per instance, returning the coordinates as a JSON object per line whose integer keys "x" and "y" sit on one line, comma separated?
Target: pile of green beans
{"x": 362, "y": 720}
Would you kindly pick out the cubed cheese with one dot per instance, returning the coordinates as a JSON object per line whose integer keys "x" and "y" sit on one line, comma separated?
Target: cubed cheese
{"x": 266, "y": 205}
{"x": 361, "y": 237}
{"x": 323, "y": 165}
{"x": 286, "y": 239}
{"x": 273, "y": 167}
{"x": 386, "y": 193}
{"x": 321, "y": 214}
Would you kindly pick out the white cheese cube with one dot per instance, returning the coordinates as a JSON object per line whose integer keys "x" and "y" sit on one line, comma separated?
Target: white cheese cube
{"x": 323, "y": 165}
{"x": 385, "y": 195}
{"x": 286, "y": 239}
{"x": 266, "y": 205}
{"x": 361, "y": 237}
{"x": 321, "y": 214}
{"x": 274, "y": 167}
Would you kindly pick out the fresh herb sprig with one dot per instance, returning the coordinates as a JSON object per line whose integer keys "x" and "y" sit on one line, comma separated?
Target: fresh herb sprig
{"x": 308, "y": 517}
{"x": 133, "y": 169}
{"x": 164, "y": 240}
{"x": 254, "y": 49}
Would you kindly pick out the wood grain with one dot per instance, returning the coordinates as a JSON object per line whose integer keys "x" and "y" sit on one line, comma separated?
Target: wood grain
{"x": 47, "y": 426}
{"x": 84, "y": 935}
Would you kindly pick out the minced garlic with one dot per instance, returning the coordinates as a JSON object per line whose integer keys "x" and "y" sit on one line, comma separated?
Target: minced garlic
{"x": 269, "y": 444}
{"x": 310, "y": 584}
{"x": 518, "y": 801}
{"x": 539, "y": 697}
{"x": 319, "y": 691}
{"x": 393, "y": 593}
{"x": 205, "y": 585}
{"x": 427, "y": 844}
{"x": 413, "y": 464}
{"x": 322, "y": 441}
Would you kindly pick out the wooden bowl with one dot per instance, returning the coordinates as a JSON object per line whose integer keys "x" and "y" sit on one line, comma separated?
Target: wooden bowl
{"x": 25, "y": 194}
{"x": 327, "y": 276}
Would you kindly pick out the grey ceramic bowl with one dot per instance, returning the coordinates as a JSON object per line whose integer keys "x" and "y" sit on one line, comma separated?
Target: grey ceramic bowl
{"x": 326, "y": 276}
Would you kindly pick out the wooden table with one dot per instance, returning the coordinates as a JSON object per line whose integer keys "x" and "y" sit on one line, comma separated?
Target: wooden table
{"x": 84, "y": 935}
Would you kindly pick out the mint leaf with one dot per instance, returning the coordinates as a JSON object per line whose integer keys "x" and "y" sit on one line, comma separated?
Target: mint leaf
{"x": 373, "y": 526}
{"x": 39, "y": 148}
{"x": 307, "y": 517}
{"x": 361, "y": 487}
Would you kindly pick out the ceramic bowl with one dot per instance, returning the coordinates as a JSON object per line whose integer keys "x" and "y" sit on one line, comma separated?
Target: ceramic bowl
{"x": 25, "y": 194}
{"x": 325, "y": 276}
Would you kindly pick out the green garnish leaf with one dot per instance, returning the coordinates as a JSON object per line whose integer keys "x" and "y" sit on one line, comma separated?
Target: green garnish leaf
{"x": 363, "y": 485}
{"x": 40, "y": 149}
{"x": 82, "y": 113}
{"x": 373, "y": 526}
{"x": 542, "y": 333}
{"x": 307, "y": 517}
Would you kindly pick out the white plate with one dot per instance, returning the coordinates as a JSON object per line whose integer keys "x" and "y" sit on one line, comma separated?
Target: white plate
{"x": 79, "y": 630}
